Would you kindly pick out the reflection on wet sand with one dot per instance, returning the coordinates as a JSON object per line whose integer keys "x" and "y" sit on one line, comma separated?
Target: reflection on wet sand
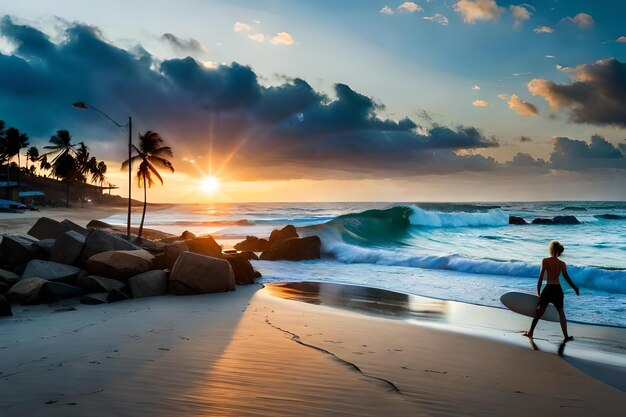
{"x": 366, "y": 300}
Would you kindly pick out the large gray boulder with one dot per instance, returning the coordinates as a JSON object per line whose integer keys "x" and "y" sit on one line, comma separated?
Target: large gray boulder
{"x": 204, "y": 245}
{"x": 278, "y": 235}
{"x": 148, "y": 284}
{"x": 253, "y": 244}
{"x": 565, "y": 220}
{"x": 199, "y": 274}
{"x": 8, "y": 276}
{"x": 94, "y": 283}
{"x": 46, "y": 245}
{"x": 172, "y": 252}
{"x": 95, "y": 298}
{"x": 244, "y": 272}
{"x": 120, "y": 264}
{"x": 16, "y": 249}
{"x": 46, "y": 228}
{"x": 99, "y": 241}
{"x": 5, "y": 307}
{"x": 67, "y": 248}
{"x": 26, "y": 291}
{"x": 70, "y": 225}
{"x": 51, "y": 271}
{"x": 54, "y": 291}
{"x": 294, "y": 249}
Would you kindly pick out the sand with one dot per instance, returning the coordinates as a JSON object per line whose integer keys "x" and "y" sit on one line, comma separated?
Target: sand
{"x": 22, "y": 222}
{"x": 250, "y": 353}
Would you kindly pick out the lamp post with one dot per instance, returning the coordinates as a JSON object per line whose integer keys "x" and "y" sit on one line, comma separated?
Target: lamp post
{"x": 84, "y": 106}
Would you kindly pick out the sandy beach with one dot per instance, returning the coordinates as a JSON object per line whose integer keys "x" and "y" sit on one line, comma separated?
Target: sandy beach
{"x": 259, "y": 351}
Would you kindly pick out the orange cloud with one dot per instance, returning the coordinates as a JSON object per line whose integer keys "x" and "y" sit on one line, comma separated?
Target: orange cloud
{"x": 522, "y": 107}
{"x": 475, "y": 10}
{"x": 480, "y": 103}
{"x": 282, "y": 38}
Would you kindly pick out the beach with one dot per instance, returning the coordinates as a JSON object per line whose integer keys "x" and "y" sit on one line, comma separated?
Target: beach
{"x": 296, "y": 350}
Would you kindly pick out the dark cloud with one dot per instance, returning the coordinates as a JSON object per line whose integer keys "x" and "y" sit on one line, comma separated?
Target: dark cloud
{"x": 271, "y": 132}
{"x": 598, "y": 95}
{"x": 183, "y": 45}
{"x": 575, "y": 155}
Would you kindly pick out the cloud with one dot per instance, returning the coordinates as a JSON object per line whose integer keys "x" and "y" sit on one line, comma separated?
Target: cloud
{"x": 409, "y": 6}
{"x": 597, "y": 95}
{"x": 475, "y": 10}
{"x": 524, "y": 160}
{"x": 480, "y": 103}
{"x": 573, "y": 155}
{"x": 543, "y": 29}
{"x": 520, "y": 14}
{"x": 184, "y": 45}
{"x": 503, "y": 96}
{"x": 282, "y": 38}
{"x": 550, "y": 56}
{"x": 386, "y": 10}
{"x": 257, "y": 37}
{"x": 525, "y": 139}
{"x": 582, "y": 20}
{"x": 252, "y": 131}
{"x": 621, "y": 39}
{"x": 521, "y": 107}
{"x": 240, "y": 27}
{"x": 437, "y": 18}
{"x": 475, "y": 88}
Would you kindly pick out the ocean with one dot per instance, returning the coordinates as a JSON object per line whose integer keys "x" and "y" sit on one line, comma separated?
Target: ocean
{"x": 464, "y": 252}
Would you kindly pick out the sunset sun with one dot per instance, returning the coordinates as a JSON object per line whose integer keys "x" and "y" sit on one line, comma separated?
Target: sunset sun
{"x": 210, "y": 184}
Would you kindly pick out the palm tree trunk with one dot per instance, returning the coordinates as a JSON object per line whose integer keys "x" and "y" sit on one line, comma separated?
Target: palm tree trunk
{"x": 67, "y": 195}
{"x": 145, "y": 203}
{"x": 19, "y": 168}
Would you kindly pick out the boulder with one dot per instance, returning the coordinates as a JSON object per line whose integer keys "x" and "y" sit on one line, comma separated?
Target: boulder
{"x": 70, "y": 225}
{"x": 67, "y": 248}
{"x": 294, "y": 249}
{"x": 26, "y": 291}
{"x": 46, "y": 245}
{"x": 94, "y": 283}
{"x": 242, "y": 268}
{"x": 17, "y": 249}
{"x": 204, "y": 245}
{"x": 565, "y": 220}
{"x": 253, "y": 244}
{"x": 5, "y": 307}
{"x": 516, "y": 220}
{"x": 152, "y": 246}
{"x": 120, "y": 264}
{"x": 187, "y": 235}
{"x": 98, "y": 224}
{"x": 543, "y": 221}
{"x": 46, "y": 228}
{"x": 172, "y": 252}
{"x": 51, "y": 271}
{"x": 199, "y": 274}
{"x": 95, "y": 298}
{"x": 148, "y": 284}
{"x": 54, "y": 291}
{"x": 4, "y": 287}
{"x": 8, "y": 277}
{"x": 99, "y": 241}
{"x": 278, "y": 235}
{"x": 117, "y": 295}
{"x": 251, "y": 256}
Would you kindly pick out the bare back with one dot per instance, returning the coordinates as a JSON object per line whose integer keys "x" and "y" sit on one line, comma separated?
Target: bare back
{"x": 553, "y": 267}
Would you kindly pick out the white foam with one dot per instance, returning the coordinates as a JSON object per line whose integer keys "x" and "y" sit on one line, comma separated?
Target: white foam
{"x": 493, "y": 217}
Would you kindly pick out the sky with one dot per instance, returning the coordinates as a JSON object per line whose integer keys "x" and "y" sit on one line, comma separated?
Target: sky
{"x": 440, "y": 100}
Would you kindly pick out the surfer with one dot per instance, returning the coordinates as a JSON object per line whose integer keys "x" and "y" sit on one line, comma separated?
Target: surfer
{"x": 553, "y": 267}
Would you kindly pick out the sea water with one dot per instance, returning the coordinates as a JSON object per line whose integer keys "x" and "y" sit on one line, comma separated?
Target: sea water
{"x": 462, "y": 252}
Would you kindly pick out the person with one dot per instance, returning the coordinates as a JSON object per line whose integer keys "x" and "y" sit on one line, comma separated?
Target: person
{"x": 552, "y": 293}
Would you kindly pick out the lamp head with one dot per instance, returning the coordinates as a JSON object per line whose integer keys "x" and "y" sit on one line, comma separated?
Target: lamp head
{"x": 80, "y": 105}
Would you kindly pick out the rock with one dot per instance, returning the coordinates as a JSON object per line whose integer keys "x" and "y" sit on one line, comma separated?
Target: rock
{"x": 5, "y": 307}
{"x": 94, "y": 283}
{"x": 17, "y": 249}
{"x": 120, "y": 264}
{"x": 70, "y": 225}
{"x": 54, "y": 291}
{"x": 117, "y": 295}
{"x": 8, "y": 277}
{"x": 198, "y": 274}
{"x": 543, "y": 221}
{"x": 205, "y": 245}
{"x": 242, "y": 268}
{"x": 4, "y": 287}
{"x": 187, "y": 235}
{"x": 610, "y": 216}
{"x": 516, "y": 220}
{"x": 159, "y": 261}
{"x": 26, "y": 291}
{"x": 251, "y": 256}
{"x": 279, "y": 235}
{"x": 294, "y": 249}
{"x": 98, "y": 224}
{"x": 565, "y": 220}
{"x": 51, "y": 271}
{"x": 253, "y": 244}
{"x": 95, "y": 298}
{"x": 148, "y": 284}
{"x": 46, "y": 228}
{"x": 152, "y": 246}
{"x": 172, "y": 252}
{"x": 46, "y": 245}
{"x": 67, "y": 248}
{"x": 99, "y": 241}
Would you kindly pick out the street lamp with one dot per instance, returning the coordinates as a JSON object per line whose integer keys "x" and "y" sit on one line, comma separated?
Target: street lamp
{"x": 84, "y": 106}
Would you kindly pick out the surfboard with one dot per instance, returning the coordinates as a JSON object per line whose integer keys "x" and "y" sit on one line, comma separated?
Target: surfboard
{"x": 526, "y": 304}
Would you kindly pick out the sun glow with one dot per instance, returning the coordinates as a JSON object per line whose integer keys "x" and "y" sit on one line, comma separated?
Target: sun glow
{"x": 210, "y": 185}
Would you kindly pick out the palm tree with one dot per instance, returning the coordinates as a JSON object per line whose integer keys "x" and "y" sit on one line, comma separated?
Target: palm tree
{"x": 32, "y": 155}
{"x": 98, "y": 169}
{"x": 14, "y": 143}
{"x": 63, "y": 164}
{"x": 150, "y": 154}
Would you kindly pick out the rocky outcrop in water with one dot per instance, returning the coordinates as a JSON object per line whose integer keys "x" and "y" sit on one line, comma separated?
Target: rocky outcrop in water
{"x": 294, "y": 249}
{"x": 541, "y": 220}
